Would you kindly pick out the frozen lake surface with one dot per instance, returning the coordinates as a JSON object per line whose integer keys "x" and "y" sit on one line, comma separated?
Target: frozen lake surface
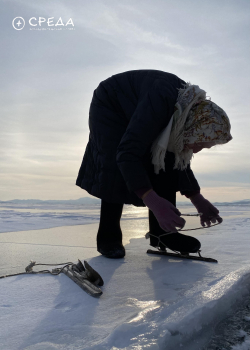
{"x": 148, "y": 302}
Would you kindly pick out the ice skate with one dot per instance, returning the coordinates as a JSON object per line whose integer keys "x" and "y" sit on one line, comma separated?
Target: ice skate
{"x": 85, "y": 277}
{"x": 176, "y": 242}
{"x": 182, "y": 245}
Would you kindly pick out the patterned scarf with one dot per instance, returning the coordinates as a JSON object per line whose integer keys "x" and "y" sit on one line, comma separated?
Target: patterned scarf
{"x": 195, "y": 120}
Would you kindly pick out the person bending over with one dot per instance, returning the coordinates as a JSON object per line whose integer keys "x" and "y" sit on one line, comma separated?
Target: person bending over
{"x": 144, "y": 126}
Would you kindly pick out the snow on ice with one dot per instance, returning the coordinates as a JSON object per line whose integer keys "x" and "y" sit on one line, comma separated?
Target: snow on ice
{"x": 148, "y": 302}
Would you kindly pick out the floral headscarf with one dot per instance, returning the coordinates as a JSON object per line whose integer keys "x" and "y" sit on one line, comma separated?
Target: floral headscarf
{"x": 196, "y": 119}
{"x": 207, "y": 122}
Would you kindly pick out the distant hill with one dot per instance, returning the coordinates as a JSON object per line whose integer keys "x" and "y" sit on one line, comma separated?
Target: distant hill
{"x": 242, "y": 202}
{"x": 84, "y": 200}
{"x": 93, "y": 201}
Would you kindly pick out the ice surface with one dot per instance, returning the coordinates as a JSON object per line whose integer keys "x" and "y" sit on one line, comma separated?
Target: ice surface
{"x": 22, "y": 218}
{"x": 245, "y": 345}
{"x": 148, "y": 302}
{"x": 37, "y": 219}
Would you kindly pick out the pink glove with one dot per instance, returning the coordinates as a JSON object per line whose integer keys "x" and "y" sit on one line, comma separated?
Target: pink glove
{"x": 167, "y": 215}
{"x": 209, "y": 212}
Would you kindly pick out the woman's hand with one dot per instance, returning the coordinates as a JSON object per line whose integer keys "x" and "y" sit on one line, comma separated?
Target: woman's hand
{"x": 167, "y": 215}
{"x": 209, "y": 212}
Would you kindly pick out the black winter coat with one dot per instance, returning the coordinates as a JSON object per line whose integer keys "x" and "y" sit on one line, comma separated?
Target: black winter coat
{"x": 127, "y": 113}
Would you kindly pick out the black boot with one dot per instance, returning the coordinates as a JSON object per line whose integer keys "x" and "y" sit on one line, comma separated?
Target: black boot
{"x": 175, "y": 241}
{"x": 112, "y": 250}
{"x": 109, "y": 236}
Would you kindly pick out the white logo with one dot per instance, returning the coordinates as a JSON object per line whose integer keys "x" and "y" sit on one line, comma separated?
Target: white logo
{"x": 18, "y": 23}
{"x": 42, "y": 23}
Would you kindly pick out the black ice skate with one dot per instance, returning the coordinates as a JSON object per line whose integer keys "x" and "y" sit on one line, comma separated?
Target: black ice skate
{"x": 181, "y": 244}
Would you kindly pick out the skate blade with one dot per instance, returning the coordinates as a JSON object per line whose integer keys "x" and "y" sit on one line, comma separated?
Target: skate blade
{"x": 83, "y": 283}
{"x": 93, "y": 275}
{"x": 181, "y": 256}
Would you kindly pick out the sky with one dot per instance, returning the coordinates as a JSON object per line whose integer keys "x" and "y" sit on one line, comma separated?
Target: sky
{"x": 48, "y": 78}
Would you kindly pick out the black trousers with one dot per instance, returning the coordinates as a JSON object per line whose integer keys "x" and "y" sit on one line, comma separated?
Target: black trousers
{"x": 165, "y": 184}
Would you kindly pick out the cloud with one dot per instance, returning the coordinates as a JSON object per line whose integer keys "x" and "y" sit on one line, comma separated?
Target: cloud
{"x": 48, "y": 78}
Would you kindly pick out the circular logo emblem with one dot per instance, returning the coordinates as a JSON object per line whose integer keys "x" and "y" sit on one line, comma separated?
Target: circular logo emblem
{"x": 18, "y": 23}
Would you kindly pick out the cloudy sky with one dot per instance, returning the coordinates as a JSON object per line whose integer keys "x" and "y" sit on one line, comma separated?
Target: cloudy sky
{"x": 48, "y": 78}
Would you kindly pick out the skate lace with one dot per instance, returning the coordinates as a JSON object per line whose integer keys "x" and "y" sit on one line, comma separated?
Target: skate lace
{"x": 158, "y": 237}
{"x": 29, "y": 269}
{"x": 197, "y": 228}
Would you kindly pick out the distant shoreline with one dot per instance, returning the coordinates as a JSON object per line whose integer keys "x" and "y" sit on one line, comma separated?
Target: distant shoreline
{"x": 74, "y": 203}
